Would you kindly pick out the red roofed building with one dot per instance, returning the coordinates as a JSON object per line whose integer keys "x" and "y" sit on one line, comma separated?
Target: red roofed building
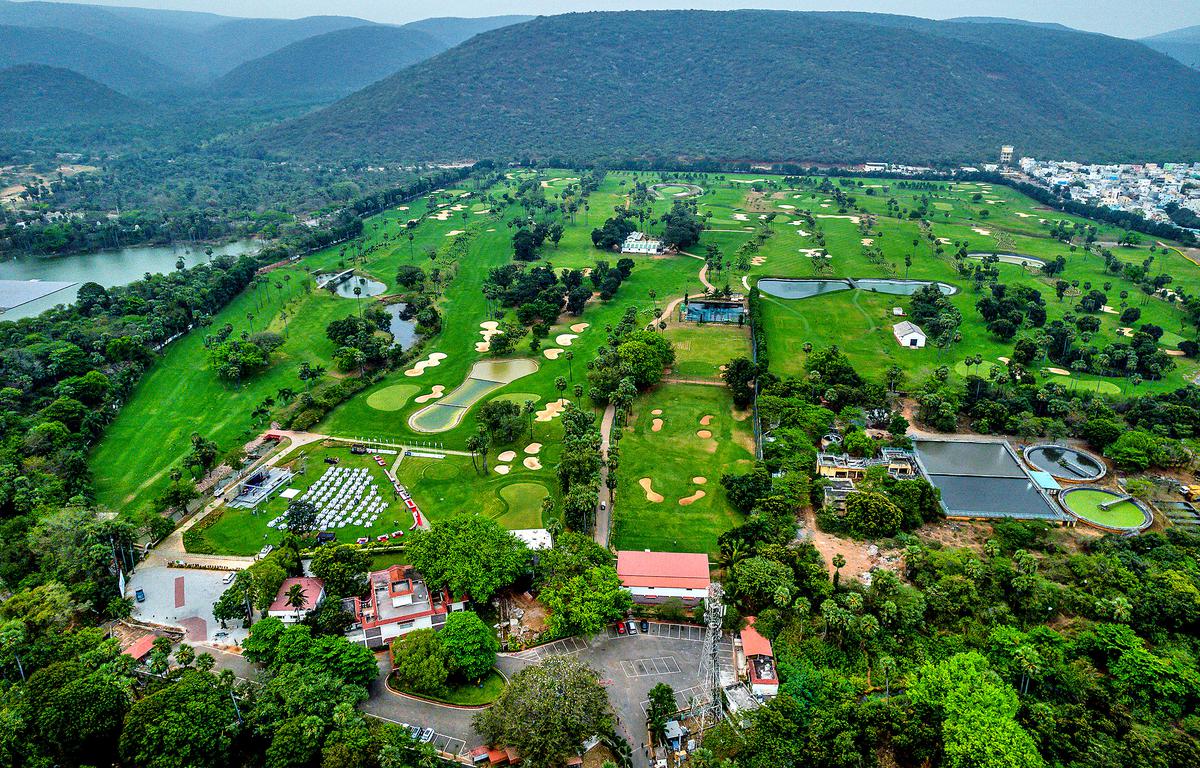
{"x": 141, "y": 647}
{"x": 314, "y": 593}
{"x": 652, "y": 577}
{"x": 757, "y": 660}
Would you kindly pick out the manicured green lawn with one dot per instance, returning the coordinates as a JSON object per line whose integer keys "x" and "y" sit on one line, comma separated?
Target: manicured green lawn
{"x": 471, "y": 694}
{"x": 672, "y": 459}
{"x": 701, "y": 350}
{"x": 450, "y": 486}
{"x": 244, "y": 532}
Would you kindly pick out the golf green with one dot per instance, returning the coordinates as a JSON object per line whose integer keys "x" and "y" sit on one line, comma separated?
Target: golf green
{"x": 392, "y": 398}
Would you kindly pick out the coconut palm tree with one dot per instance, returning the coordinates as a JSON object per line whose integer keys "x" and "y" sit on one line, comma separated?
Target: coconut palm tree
{"x": 296, "y": 599}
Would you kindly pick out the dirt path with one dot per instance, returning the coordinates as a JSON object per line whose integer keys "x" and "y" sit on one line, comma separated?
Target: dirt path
{"x": 859, "y": 559}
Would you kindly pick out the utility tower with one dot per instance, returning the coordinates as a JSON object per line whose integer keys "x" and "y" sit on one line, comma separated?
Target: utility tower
{"x": 710, "y": 712}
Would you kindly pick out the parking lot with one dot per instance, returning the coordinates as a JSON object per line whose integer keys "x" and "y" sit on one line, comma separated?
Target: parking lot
{"x": 627, "y": 665}
{"x": 182, "y": 597}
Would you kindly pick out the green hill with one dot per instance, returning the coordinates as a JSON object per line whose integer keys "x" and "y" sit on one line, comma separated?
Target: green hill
{"x": 1180, "y": 44}
{"x": 765, "y": 85}
{"x": 202, "y": 46}
{"x": 331, "y": 65}
{"x": 33, "y": 96}
{"x": 452, "y": 30}
{"x": 112, "y": 65}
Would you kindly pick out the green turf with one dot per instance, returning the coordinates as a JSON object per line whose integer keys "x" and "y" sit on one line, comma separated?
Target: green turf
{"x": 392, "y": 398}
{"x": 449, "y": 486}
{"x": 671, "y": 458}
{"x": 1086, "y": 503}
{"x": 244, "y": 532}
{"x": 701, "y": 350}
{"x": 524, "y": 502}
{"x": 471, "y": 694}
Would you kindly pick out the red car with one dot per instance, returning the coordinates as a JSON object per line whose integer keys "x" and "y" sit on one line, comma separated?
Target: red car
{"x": 620, "y": 628}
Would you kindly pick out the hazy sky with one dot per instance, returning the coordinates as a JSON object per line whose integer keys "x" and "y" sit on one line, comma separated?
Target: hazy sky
{"x": 1123, "y": 18}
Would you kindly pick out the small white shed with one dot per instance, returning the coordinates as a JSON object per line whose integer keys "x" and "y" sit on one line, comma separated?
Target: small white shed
{"x": 908, "y": 335}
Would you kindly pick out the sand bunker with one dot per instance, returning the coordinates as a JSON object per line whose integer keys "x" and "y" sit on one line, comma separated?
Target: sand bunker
{"x": 802, "y": 232}
{"x": 656, "y": 412}
{"x": 979, "y": 231}
{"x": 432, "y": 361}
{"x": 700, "y": 480}
{"x": 507, "y": 456}
{"x": 852, "y": 219}
{"x": 402, "y": 208}
{"x": 454, "y": 233}
{"x": 481, "y": 213}
{"x": 438, "y": 391}
{"x": 580, "y": 327}
{"x": 1125, "y": 332}
{"x": 502, "y": 469}
{"x": 551, "y": 410}
{"x": 686, "y": 500}
{"x": 1003, "y": 359}
{"x": 788, "y": 207}
{"x": 533, "y": 449}
{"x": 868, "y": 241}
{"x": 552, "y": 353}
{"x": 740, "y": 217}
{"x": 758, "y": 261}
{"x": 704, "y": 434}
{"x": 1058, "y": 371}
{"x": 531, "y": 462}
{"x": 945, "y": 241}
{"x": 707, "y": 418}
{"x": 1108, "y": 310}
{"x": 565, "y": 339}
{"x": 812, "y": 253}
{"x": 746, "y": 181}
{"x": 645, "y": 482}
{"x": 824, "y": 205}
{"x": 656, "y": 425}
{"x": 483, "y": 346}
{"x": 1022, "y": 215}
{"x": 1175, "y": 352}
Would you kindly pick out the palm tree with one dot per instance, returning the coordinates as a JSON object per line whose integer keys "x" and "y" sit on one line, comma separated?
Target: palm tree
{"x": 473, "y": 448}
{"x": 527, "y": 408}
{"x": 296, "y": 599}
{"x": 358, "y": 298}
{"x": 839, "y": 562}
{"x": 560, "y": 384}
{"x": 569, "y": 356}
{"x": 483, "y": 445}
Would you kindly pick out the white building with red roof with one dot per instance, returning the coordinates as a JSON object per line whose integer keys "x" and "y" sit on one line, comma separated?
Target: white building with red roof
{"x": 652, "y": 577}
{"x": 397, "y": 603}
{"x": 313, "y": 591}
{"x": 754, "y": 659}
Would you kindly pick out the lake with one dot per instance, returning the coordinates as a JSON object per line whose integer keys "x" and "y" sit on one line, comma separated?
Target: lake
{"x": 108, "y": 268}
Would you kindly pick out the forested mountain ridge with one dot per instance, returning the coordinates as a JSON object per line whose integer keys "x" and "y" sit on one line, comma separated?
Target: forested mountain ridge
{"x": 319, "y": 66}
{"x": 766, "y": 85}
{"x": 1182, "y": 44}
{"x": 453, "y": 30}
{"x": 37, "y": 96}
{"x": 102, "y": 61}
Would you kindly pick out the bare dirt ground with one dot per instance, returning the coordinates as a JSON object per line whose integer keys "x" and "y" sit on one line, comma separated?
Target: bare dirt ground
{"x": 858, "y": 554}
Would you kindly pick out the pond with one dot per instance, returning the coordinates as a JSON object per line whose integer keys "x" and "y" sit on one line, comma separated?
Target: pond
{"x": 1019, "y": 259}
{"x": 786, "y": 288}
{"x": 369, "y": 287}
{"x": 109, "y": 268}
{"x": 404, "y": 332}
{"x": 485, "y": 376}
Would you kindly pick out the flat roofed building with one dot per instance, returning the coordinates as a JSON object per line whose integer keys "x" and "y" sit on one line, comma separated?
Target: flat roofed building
{"x": 398, "y": 602}
{"x": 639, "y": 243}
{"x": 652, "y": 577}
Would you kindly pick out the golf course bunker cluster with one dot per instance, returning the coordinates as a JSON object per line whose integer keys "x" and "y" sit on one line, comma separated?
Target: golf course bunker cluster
{"x": 1107, "y": 510}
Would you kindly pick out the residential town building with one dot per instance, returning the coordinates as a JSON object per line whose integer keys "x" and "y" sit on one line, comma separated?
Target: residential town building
{"x": 398, "y": 602}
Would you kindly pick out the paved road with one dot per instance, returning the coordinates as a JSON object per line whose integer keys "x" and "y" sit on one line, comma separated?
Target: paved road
{"x": 628, "y": 666}
{"x": 605, "y": 502}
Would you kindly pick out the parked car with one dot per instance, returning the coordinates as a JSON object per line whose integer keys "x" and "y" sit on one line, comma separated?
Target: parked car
{"x": 361, "y": 540}
{"x": 631, "y": 625}
{"x": 229, "y": 577}
{"x": 620, "y": 627}
{"x": 426, "y": 735}
{"x": 645, "y": 626}
{"x": 415, "y": 732}
{"x": 324, "y": 537}
{"x": 140, "y": 596}
{"x": 603, "y": 506}
{"x": 332, "y": 460}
